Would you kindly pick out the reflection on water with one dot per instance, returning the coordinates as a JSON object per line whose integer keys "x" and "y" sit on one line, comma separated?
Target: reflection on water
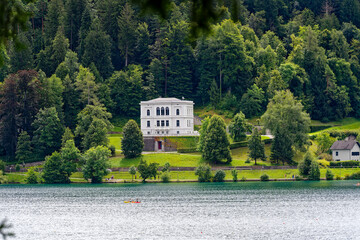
{"x": 274, "y": 210}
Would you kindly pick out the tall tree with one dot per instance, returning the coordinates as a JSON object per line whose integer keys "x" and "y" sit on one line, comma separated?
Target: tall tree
{"x": 85, "y": 84}
{"x": 126, "y": 90}
{"x": 97, "y": 49}
{"x": 72, "y": 20}
{"x": 91, "y": 115}
{"x": 47, "y": 129}
{"x": 53, "y": 19}
{"x": 127, "y": 32}
{"x": 285, "y": 117}
{"x": 238, "y": 127}
{"x": 180, "y": 58}
{"x": 23, "y": 149}
{"x": 8, "y": 116}
{"x": 256, "y": 147}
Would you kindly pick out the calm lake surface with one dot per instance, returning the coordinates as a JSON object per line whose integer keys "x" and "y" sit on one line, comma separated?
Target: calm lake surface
{"x": 273, "y": 210}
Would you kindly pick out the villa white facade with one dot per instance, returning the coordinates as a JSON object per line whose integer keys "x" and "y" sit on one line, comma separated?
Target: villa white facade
{"x": 167, "y": 117}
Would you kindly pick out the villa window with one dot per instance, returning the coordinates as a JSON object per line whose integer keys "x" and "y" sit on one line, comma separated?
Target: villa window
{"x": 355, "y": 153}
{"x": 148, "y": 123}
{"x": 162, "y": 111}
{"x": 178, "y": 123}
{"x": 337, "y": 153}
{"x": 162, "y": 123}
{"x": 177, "y": 111}
{"x": 167, "y": 123}
{"x": 148, "y": 112}
{"x": 177, "y": 132}
{"x": 148, "y": 133}
{"x": 167, "y": 112}
{"x": 158, "y": 123}
{"x": 158, "y": 111}
{"x": 188, "y": 123}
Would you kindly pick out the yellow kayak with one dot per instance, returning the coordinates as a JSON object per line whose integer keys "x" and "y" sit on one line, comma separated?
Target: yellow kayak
{"x": 127, "y": 202}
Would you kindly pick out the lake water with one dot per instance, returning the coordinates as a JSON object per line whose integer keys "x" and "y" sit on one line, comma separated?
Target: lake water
{"x": 258, "y": 210}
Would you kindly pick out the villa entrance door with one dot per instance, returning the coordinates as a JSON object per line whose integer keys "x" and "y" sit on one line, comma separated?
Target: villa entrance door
{"x": 159, "y": 145}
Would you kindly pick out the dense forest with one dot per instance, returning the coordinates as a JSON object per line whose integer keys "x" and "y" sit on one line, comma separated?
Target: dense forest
{"x": 81, "y": 62}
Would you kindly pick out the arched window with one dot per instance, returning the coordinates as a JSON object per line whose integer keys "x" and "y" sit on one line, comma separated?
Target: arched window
{"x": 167, "y": 111}
{"x": 162, "y": 111}
{"x": 157, "y": 111}
{"x": 177, "y": 111}
{"x": 148, "y": 112}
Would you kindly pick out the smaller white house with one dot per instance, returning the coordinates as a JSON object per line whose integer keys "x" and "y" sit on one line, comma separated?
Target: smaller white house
{"x": 348, "y": 149}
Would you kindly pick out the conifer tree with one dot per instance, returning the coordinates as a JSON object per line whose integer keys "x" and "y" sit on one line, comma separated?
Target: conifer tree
{"x": 127, "y": 32}
{"x": 68, "y": 135}
{"x": 256, "y": 147}
{"x": 97, "y": 49}
{"x": 216, "y": 145}
{"x": 238, "y": 127}
{"x": 23, "y": 149}
{"x": 47, "y": 132}
{"x": 132, "y": 142}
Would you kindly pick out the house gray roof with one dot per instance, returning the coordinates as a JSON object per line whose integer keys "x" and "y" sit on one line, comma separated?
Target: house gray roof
{"x": 166, "y": 100}
{"x": 344, "y": 145}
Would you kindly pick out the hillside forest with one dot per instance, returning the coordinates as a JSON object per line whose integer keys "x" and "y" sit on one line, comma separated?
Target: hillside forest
{"x": 81, "y": 63}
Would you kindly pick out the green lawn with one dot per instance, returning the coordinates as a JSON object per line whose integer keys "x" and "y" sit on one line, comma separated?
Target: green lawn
{"x": 344, "y": 124}
{"x": 115, "y": 139}
{"x": 190, "y": 175}
{"x": 175, "y": 160}
{"x": 248, "y": 174}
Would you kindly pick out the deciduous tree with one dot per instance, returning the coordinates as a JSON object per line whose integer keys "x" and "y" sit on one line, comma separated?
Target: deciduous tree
{"x": 132, "y": 142}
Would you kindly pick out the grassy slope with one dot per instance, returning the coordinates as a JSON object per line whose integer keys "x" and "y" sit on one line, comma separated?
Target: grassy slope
{"x": 344, "y": 124}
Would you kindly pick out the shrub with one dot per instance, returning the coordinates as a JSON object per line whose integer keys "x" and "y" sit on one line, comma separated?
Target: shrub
{"x": 304, "y": 165}
{"x": 329, "y": 175}
{"x": 325, "y": 156}
{"x": 17, "y": 167}
{"x": 324, "y": 163}
{"x": 337, "y": 177}
{"x": 204, "y": 173}
{"x": 31, "y": 177}
{"x": 243, "y": 179}
{"x": 112, "y": 150}
{"x": 165, "y": 177}
{"x": 234, "y": 174}
{"x": 314, "y": 173}
{"x": 166, "y": 167}
{"x": 264, "y": 177}
{"x": 316, "y": 128}
{"x": 248, "y": 160}
{"x": 219, "y": 176}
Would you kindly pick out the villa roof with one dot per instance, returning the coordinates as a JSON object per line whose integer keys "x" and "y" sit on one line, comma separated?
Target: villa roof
{"x": 344, "y": 145}
{"x": 166, "y": 100}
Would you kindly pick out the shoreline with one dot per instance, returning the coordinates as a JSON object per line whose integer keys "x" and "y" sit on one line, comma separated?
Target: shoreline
{"x": 121, "y": 181}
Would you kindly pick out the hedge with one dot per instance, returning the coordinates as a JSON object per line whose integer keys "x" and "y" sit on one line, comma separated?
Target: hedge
{"x": 351, "y": 163}
{"x": 186, "y": 150}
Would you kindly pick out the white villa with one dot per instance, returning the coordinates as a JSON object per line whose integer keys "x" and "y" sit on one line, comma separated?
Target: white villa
{"x": 167, "y": 117}
{"x": 349, "y": 149}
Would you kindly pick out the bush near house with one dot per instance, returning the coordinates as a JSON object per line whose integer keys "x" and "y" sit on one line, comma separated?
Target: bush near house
{"x": 351, "y": 163}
